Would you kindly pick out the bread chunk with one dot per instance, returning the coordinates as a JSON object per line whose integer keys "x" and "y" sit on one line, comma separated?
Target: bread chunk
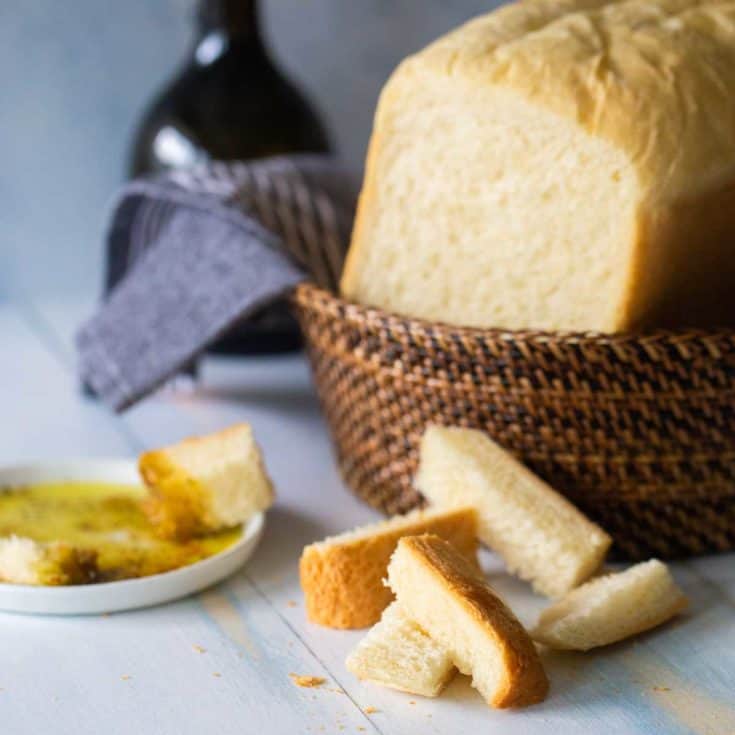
{"x": 452, "y": 602}
{"x": 557, "y": 165}
{"x": 540, "y": 535}
{"x": 24, "y": 561}
{"x": 206, "y": 484}
{"x": 611, "y": 608}
{"x": 397, "y": 653}
{"x": 342, "y": 576}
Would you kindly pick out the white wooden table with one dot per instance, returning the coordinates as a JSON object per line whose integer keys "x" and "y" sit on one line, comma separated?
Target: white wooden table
{"x": 220, "y": 662}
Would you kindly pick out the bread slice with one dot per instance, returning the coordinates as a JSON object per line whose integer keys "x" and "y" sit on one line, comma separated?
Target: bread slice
{"x": 342, "y": 576}
{"x": 205, "y": 484}
{"x": 541, "y": 536}
{"x": 397, "y": 653}
{"x": 518, "y": 176}
{"x": 452, "y": 602}
{"x": 611, "y": 608}
{"x": 24, "y": 561}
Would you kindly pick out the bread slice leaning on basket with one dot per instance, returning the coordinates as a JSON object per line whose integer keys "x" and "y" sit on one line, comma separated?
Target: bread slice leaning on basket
{"x": 540, "y": 535}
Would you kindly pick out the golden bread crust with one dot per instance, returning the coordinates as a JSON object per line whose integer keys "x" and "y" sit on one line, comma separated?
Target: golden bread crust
{"x": 343, "y": 581}
{"x": 524, "y": 680}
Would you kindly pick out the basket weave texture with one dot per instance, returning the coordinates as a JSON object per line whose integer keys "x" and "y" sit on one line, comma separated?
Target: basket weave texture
{"x": 638, "y": 431}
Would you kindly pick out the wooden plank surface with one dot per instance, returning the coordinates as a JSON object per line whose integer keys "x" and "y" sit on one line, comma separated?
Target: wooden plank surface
{"x": 680, "y": 679}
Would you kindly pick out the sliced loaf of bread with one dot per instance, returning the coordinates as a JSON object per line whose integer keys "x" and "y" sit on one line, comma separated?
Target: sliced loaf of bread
{"x": 557, "y": 164}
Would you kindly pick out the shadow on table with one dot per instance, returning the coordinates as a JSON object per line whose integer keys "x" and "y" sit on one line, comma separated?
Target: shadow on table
{"x": 294, "y": 400}
{"x": 276, "y": 558}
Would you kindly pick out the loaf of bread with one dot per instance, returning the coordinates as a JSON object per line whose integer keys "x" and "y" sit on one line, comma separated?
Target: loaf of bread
{"x": 205, "y": 484}
{"x": 397, "y": 653}
{"x": 557, "y": 165}
{"x": 342, "y": 576}
{"x": 452, "y": 602}
{"x": 540, "y": 535}
{"x": 611, "y": 608}
{"x": 24, "y": 561}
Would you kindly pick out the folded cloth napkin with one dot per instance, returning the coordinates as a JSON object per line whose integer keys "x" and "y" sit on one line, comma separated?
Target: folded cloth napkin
{"x": 191, "y": 253}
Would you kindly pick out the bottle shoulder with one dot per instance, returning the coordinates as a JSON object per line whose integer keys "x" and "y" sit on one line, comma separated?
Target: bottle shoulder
{"x": 233, "y": 84}
{"x": 232, "y": 108}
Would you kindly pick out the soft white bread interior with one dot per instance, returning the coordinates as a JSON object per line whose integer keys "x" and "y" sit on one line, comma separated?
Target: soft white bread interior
{"x": 541, "y": 536}
{"x": 397, "y": 653}
{"x": 611, "y": 608}
{"x": 557, "y": 165}
{"x": 450, "y": 599}
{"x": 207, "y": 483}
{"x": 24, "y": 561}
{"x": 342, "y": 576}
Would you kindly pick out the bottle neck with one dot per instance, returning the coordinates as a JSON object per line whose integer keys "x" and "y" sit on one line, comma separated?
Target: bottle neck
{"x": 237, "y": 19}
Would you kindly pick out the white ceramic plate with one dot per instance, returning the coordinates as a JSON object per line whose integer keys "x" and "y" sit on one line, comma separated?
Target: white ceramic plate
{"x": 127, "y": 594}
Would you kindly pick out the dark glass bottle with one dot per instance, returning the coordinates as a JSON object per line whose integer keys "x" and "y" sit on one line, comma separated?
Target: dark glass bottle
{"x": 230, "y": 102}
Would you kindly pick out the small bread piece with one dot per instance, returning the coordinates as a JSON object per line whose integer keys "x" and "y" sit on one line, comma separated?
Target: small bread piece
{"x": 342, "y": 576}
{"x": 397, "y": 653}
{"x": 205, "y": 484}
{"x": 24, "y": 561}
{"x": 453, "y": 603}
{"x": 611, "y": 608}
{"x": 541, "y": 536}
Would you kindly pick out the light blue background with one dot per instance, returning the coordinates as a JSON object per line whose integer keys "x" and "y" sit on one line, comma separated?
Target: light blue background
{"x": 75, "y": 76}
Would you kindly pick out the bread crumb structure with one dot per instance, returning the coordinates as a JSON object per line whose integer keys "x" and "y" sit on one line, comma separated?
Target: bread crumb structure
{"x": 397, "y": 653}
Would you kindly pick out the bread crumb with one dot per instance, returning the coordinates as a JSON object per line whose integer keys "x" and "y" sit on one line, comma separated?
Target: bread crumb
{"x": 307, "y": 681}
{"x": 370, "y": 710}
{"x": 126, "y": 677}
{"x": 661, "y": 689}
{"x": 292, "y": 603}
{"x": 217, "y": 674}
{"x": 199, "y": 649}
{"x": 336, "y": 690}
{"x": 413, "y": 701}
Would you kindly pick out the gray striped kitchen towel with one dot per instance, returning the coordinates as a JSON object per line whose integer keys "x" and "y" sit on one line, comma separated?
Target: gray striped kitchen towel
{"x": 192, "y": 253}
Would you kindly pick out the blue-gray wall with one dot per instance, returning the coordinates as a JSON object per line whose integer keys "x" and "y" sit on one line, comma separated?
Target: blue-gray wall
{"x": 75, "y": 75}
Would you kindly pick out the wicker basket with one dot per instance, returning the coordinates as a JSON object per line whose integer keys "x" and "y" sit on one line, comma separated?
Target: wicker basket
{"x": 638, "y": 431}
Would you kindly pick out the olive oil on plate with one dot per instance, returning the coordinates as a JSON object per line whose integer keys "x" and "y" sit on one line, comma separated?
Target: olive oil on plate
{"x": 105, "y": 518}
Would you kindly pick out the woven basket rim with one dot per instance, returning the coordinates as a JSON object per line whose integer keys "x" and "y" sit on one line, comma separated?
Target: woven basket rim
{"x": 312, "y": 296}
